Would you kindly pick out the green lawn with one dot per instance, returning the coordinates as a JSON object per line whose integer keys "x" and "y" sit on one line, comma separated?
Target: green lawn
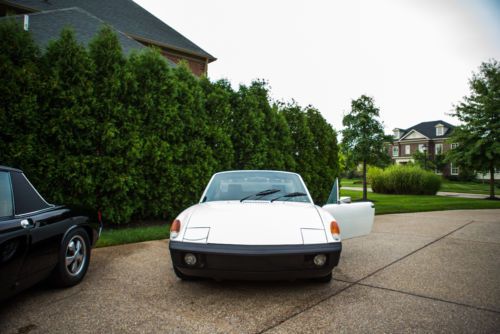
{"x": 467, "y": 187}
{"x": 447, "y": 185}
{"x": 383, "y": 204}
{"x": 417, "y": 203}
{"x": 351, "y": 183}
{"x": 110, "y": 237}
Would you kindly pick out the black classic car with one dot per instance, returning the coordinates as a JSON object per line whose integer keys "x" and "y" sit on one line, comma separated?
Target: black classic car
{"x": 39, "y": 240}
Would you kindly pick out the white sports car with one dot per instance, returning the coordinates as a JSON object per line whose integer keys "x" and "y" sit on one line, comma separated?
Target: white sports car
{"x": 255, "y": 224}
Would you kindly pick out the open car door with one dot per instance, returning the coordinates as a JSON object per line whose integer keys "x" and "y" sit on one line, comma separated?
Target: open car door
{"x": 354, "y": 219}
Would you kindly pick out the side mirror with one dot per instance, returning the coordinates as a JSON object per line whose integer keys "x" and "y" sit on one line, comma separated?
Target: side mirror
{"x": 345, "y": 200}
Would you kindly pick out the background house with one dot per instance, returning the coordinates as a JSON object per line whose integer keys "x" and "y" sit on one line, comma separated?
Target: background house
{"x": 135, "y": 26}
{"x": 426, "y": 137}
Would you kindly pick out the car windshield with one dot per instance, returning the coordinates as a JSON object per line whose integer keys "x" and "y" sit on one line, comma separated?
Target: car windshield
{"x": 251, "y": 185}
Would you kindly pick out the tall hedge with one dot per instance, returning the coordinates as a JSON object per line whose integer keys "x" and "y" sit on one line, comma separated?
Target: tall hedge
{"x": 136, "y": 138}
{"x": 401, "y": 179}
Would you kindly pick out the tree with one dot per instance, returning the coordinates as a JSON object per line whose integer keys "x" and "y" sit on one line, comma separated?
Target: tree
{"x": 19, "y": 89}
{"x": 218, "y": 97}
{"x": 117, "y": 134}
{"x": 302, "y": 148}
{"x": 151, "y": 98}
{"x": 478, "y": 137}
{"x": 363, "y": 136}
{"x": 64, "y": 110}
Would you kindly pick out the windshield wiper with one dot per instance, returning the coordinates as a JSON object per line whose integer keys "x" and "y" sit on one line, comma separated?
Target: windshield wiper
{"x": 261, "y": 194}
{"x": 290, "y": 195}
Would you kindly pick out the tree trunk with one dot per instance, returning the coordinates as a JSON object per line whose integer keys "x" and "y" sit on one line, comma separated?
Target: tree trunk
{"x": 365, "y": 197}
{"x": 492, "y": 181}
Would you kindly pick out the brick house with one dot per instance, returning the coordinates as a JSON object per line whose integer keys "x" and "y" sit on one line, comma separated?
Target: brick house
{"x": 136, "y": 27}
{"x": 426, "y": 137}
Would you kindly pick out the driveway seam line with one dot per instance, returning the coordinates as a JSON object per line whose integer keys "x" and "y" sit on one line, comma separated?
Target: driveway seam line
{"x": 293, "y": 315}
{"x": 296, "y": 313}
{"x": 429, "y": 297}
{"x": 413, "y": 252}
{"x": 481, "y": 242}
{"x": 406, "y": 234}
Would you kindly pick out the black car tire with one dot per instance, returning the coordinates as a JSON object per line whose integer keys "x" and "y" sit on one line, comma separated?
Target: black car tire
{"x": 324, "y": 279}
{"x": 61, "y": 276}
{"x": 182, "y": 276}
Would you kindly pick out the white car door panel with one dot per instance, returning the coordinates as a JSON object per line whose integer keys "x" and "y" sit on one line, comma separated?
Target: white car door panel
{"x": 354, "y": 219}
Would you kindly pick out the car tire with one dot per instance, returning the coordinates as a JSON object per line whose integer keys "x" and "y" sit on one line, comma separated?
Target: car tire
{"x": 324, "y": 279}
{"x": 182, "y": 276}
{"x": 74, "y": 259}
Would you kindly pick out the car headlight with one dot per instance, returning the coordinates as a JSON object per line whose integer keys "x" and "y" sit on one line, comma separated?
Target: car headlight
{"x": 320, "y": 260}
{"x": 190, "y": 259}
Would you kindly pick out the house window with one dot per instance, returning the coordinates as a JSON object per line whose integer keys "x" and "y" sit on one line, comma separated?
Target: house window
{"x": 395, "y": 151}
{"x": 454, "y": 169}
{"x": 407, "y": 149}
{"x": 454, "y": 145}
{"x": 439, "y": 149}
{"x": 439, "y": 131}
{"x": 421, "y": 148}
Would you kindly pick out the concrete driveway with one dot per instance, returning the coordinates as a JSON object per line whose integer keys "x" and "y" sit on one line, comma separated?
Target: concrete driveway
{"x": 423, "y": 272}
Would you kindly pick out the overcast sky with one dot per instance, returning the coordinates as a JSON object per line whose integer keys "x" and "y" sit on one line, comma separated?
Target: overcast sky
{"x": 413, "y": 56}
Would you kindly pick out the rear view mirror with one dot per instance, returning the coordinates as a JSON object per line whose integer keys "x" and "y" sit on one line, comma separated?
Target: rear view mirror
{"x": 345, "y": 200}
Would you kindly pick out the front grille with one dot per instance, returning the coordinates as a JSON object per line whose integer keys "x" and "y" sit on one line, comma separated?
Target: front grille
{"x": 257, "y": 263}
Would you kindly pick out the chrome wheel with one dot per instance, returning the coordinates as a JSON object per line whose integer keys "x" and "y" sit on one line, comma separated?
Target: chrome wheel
{"x": 76, "y": 255}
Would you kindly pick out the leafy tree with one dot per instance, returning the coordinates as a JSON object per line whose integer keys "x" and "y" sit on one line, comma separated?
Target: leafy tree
{"x": 325, "y": 167}
{"x": 478, "y": 136}
{"x": 280, "y": 144}
{"x": 249, "y": 136}
{"x": 64, "y": 111}
{"x": 218, "y": 97}
{"x": 150, "y": 87}
{"x": 117, "y": 132}
{"x": 19, "y": 90}
{"x": 363, "y": 136}
{"x": 194, "y": 161}
{"x": 302, "y": 148}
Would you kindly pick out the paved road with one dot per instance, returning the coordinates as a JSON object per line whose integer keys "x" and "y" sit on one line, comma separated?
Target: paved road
{"x": 422, "y": 272}
{"x": 439, "y": 193}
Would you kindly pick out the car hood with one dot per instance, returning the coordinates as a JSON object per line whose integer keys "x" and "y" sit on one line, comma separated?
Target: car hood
{"x": 258, "y": 223}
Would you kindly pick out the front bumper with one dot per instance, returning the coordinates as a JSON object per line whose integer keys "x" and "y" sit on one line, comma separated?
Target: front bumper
{"x": 255, "y": 262}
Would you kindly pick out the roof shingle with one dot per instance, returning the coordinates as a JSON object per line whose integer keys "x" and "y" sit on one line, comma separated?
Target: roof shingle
{"x": 428, "y": 129}
{"x": 46, "y": 26}
{"x": 125, "y": 16}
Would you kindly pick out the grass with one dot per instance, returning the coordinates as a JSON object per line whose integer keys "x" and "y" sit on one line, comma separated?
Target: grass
{"x": 119, "y": 236}
{"x": 385, "y": 204}
{"x": 467, "y": 187}
{"x": 446, "y": 185}
{"x": 357, "y": 182}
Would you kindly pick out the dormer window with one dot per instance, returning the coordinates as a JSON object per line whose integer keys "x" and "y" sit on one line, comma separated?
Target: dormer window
{"x": 440, "y": 130}
{"x": 397, "y": 133}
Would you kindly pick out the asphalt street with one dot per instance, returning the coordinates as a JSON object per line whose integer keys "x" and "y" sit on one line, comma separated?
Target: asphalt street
{"x": 421, "y": 272}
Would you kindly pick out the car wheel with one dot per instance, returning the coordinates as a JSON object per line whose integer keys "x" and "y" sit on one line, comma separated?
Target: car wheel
{"x": 74, "y": 258}
{"x": 324, "y": 279}
{"x": 182, "y": 276}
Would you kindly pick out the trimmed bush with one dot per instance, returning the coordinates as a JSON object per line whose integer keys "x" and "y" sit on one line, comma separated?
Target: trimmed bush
{"x": 404, "y": 180}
